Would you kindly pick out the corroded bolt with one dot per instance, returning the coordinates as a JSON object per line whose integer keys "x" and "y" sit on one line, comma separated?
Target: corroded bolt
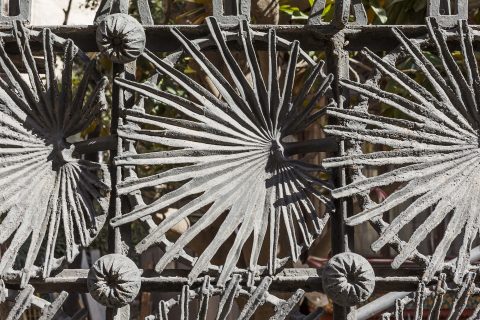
{"x": 114, "y": 280}
{"x": 120, "y": 37}
{"x": 348, "y": 279}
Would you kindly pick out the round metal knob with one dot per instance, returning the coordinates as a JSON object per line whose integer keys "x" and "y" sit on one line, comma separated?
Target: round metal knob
{"x": 120, "y": 37}
{"x": 348, "y": 279}
{"x": 114, "y": 280}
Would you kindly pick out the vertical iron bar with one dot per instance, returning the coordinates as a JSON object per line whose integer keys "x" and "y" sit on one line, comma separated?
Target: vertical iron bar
{"x": 341, "y": 13}
{"x": 145, "y": 12}
{"x": 359, "y": 12}
{"x": 341, "y": 238}
{"x": 115, "y": 206}
{"x": 115, "y": 235}
{"x": 315, "y": 16}
{"x": 336, "y": 64}
{"x": 118, "y": 236}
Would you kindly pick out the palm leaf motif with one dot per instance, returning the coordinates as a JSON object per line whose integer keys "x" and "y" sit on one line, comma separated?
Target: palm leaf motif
{"x": 432, "y": 152}
{"x": 19, "y": 303}
{"x": 43, "y": 187}
{"x": 458, "y": 300}
{"x": 232, "y": 152}
{"x": 255, "y": 297}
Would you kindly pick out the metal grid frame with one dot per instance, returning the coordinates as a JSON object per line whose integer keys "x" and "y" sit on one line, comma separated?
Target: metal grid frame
{"x": 337, "y": 38}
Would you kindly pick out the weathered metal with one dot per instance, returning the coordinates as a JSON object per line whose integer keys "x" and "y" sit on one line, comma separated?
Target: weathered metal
{"x": 434, "y": 152}
{"x": 18, "y": 10}
{"x": 230, "y": 12}
{"x": 120, "y": 37}
{"x": 114, "y": 280}
{"x": 287, "y": 280}
{"x": 232, "y": 153}
{"x": 46, "y": 187}
{"x": 348, "y": 279}
{"x": 416, "y": 300}
{"x": 230, "y": 161}
{"x": 311, "y": 37}
{"x": 448, "y": 13}
{"x": 256, "y": 295}
{"x": 25, "y": 298}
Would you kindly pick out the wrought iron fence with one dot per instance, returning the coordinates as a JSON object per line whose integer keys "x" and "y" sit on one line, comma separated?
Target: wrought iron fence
{"x": 228, "y": 163}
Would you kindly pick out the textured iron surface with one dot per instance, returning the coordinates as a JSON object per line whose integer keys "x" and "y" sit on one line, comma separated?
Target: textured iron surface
{"x": 232, "y": 151}
{"x": 114, "y": 280}
{"x": 348, "y": 279}
{"x": 417, "y": 300}
{"x": 46, "y": 188}
{"x": 18, "y": 10}
{"x": 120, "y": 37}
{"x": 432, "y": 153}
{"x": 21, "y": 301}
{"x": 255, "y": 296}
{"x": 229, "y": 161}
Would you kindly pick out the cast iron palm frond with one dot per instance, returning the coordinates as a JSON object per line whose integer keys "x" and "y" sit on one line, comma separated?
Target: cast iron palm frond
{"x": 44, "y": 190}
{"x": 18, "y": 303}
{"x": 231, "y": 151}
{"x": 460, "y": 300}
{"x": 254, "y": 296}
{"x": 433, "y": 152}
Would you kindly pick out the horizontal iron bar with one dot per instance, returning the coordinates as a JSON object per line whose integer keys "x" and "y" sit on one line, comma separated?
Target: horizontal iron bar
{"x": 387, "y": 301}
{"x": 160, "y": 38}
{"x": 96, "y": 144}
{"x": 328, "y": 144}
{"x": 289, "y": 280}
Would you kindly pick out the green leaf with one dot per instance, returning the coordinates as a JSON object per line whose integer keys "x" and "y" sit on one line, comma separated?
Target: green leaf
{"x": 286, "y": 8}
{"x": 294, "y": 12}
{"x": 379, "y": 11}
{"x": 327, "y": 9}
